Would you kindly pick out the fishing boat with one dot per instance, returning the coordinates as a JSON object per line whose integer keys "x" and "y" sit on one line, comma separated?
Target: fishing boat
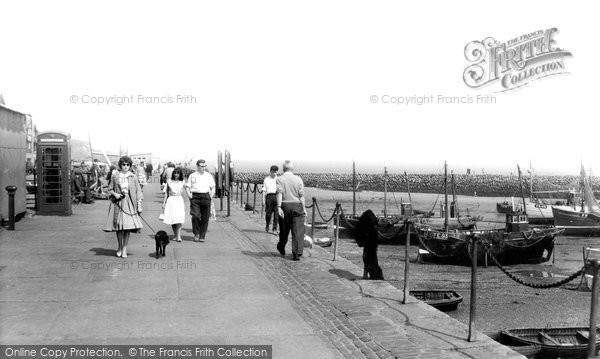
{"x": 569, "y": 342}
{"x": 390, "y": 226}
{"x": 583, "y": 220}
{"x": 515, "y": 243}
{"x": 504, "y": 207}
{"x": 444, "y": 300}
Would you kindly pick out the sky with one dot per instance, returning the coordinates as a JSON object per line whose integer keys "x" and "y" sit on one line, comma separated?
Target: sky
{"x": 309, "y": 81}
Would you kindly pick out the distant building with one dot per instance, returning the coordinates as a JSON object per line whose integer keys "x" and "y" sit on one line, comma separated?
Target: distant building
{"x": 13, "y": 157}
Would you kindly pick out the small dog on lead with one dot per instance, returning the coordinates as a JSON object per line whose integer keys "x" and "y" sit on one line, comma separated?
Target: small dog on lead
{"x": 162, "y": 239}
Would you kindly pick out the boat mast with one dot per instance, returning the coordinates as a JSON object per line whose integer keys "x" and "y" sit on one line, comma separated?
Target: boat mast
{"x": 384, "y": 192}
{"x": 445, "y": 196}
{"x": 530, "y": 182}
{"x": 521, "y": 187}
{"x": 454, "y": 195}
{"x": 353, "y": 190}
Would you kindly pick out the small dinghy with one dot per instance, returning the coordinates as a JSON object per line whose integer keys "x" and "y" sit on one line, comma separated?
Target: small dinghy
{"x": 444, "y": 300}
{"x": 323, "y": 242}
{"x": 569, "y": 342}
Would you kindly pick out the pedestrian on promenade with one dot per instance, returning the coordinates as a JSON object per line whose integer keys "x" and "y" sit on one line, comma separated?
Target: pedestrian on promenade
{"x": 138, "y": 169}
{"x": 269, "y": 192}
{"x": 174, "y": 209}
{"x": 166, "y": 173}
{"x": 126, "y": 205}
{"x": 200, "y": 188}
{"x": 149, "y": 168}
{"x": 291, "y": 209}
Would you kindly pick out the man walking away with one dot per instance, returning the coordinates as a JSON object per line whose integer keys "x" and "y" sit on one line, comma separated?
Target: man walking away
{"x": 270, "y": 198}
{"x": 291, "y": 209}
{"x": 200, "y": 189}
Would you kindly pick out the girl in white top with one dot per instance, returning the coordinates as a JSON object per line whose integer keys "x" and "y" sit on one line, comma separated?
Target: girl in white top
{"x": 174, "y": 209}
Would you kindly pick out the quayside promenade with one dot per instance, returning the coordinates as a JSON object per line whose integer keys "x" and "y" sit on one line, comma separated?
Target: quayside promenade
{"x": 61, "y": 283}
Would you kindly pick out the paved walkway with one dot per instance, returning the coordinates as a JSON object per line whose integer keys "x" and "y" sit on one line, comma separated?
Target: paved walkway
{"x": 61, "y": 283}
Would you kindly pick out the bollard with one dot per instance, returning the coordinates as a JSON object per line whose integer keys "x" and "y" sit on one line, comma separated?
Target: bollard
{"x": 262, "y": 207}
{"x": 254, "y": 201}
{"x": 592, "y": 335}
{"x": 11, "y": 207}
{"x": 237, "y": 191}
{"x": 229, "y": 200}
{"x": 473, "y": 288}
{"x": 248, "y": 193}
{"x": 406, "y": 264}
{"x": 337, "y": 229}
{"x": 312, "y": 229}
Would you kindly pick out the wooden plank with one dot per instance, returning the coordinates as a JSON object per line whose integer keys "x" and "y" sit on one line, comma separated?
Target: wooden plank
{"x": 548, "y": 338}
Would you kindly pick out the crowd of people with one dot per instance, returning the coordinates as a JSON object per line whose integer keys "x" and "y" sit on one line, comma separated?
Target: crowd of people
{"x": 472, "y": 184}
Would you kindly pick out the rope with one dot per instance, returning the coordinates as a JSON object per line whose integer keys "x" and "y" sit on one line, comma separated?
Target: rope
{"x": 536, "y": 285}
{"x": 320, "y": 215}
{"x": 255, "y": 187}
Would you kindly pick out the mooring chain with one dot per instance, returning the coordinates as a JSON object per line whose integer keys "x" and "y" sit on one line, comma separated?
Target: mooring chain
{"x": 535, "y": 285}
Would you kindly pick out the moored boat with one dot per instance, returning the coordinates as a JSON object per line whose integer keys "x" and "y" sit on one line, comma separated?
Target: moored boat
{"x": 582, "y": 221}
{"x": 504, "y": 207}
{"x": 515, "y": 243}
{"x": 444, "y": 300}
{"x": 568, "y": 342}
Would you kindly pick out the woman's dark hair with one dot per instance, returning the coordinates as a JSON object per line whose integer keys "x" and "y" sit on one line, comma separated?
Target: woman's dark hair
{"x": 110, "y": 171}
{"x": 125, "y": 159}
{"x": 177, "y": 175}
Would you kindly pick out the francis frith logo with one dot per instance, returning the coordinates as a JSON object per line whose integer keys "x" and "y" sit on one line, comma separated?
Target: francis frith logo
{"x": 516, "y": 62}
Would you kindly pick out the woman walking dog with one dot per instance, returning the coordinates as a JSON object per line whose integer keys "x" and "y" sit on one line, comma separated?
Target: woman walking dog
{"x": 174, "y": 209}
{"x": 126, "y": 205}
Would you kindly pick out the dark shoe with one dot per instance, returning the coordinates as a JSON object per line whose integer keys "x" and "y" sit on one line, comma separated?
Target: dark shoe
{"x": 267, "y": 229}
{"x": 295, "y": 257}
{"x": 300, "y": 255}
{"x": 280, "y": 249}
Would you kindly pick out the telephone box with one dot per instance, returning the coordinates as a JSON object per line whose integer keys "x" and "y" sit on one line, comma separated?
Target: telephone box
{"x": 54, "y": 173}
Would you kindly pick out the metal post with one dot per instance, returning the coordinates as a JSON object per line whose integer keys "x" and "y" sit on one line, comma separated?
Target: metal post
{"x": 353, "y": 189}
{"x": 473, "y": 288}
{"x": 262, "y": 206}
{"x": 228, "y": 180}
{"x": 254, "y": 200}
{"x": 11, "y": 207}
{"x": 592, "y": 335}
{"x": 220, "y": 178}
{"x": 312, "y": 228}
{"x": 337, "y": 229}
{"x": 406, "y": 264}
{"x": 248, "y": 193}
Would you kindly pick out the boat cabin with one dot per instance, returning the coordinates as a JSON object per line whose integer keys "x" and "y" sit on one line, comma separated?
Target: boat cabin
{"x": 517, "y": 222}
{"x": 406, "y": 209}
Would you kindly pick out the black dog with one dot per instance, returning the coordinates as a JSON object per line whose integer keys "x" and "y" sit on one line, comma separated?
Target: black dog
{"x": 162, "y": 239}
{"x": 366, "y": 234}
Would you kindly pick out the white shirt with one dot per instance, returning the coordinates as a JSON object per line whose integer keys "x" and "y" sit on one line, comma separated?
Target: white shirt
{"x": 200, "y": 183}
{"x": 270, "y": 185}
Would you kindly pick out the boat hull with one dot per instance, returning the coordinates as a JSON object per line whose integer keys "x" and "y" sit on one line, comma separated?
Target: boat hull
{"x": 531, "y": 246}
{"x": 391, "y": 230}
{"x": 444, "y": 300}
{"x": 555, "y": 342}
{"x": 575, "y": 222}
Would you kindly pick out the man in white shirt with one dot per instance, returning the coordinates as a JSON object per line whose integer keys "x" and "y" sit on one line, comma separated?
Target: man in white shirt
{"x": 270, "y": 198}
{"x": 200, "y": 188}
